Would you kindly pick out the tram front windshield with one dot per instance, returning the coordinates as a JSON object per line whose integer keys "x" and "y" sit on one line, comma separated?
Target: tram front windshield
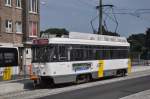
{"x": 43, "y": 53}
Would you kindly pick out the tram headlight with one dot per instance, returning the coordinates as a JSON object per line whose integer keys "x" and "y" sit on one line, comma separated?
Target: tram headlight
{"x": 42, "y": 66}
{"x": 35, "y": 66}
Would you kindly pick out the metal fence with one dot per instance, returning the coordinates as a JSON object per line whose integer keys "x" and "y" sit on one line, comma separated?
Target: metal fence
{"x": 140, "y": 62}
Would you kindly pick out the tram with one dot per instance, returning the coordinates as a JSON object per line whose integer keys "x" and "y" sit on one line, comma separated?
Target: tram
{"x": 73, "y": 59}
{"x": 8, "y": 63}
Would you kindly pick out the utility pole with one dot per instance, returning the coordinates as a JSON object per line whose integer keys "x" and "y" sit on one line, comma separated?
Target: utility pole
{"x": 100, "y": 30}
{"x": 100, "y": 10}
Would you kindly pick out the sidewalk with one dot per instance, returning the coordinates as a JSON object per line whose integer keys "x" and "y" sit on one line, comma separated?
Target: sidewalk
{"x": 14, "y": 86}
{"x": 140, "y": 68}
{"x": 25, "y": 84}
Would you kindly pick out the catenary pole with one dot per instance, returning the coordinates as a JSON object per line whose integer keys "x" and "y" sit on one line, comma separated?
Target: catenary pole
{"x": 100, "y": 31}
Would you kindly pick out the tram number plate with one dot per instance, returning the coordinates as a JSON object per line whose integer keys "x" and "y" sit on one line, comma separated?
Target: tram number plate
{"x": 81, "y": 66}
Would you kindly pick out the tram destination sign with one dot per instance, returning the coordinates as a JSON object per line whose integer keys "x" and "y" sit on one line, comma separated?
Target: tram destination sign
{"x": 40, "y": 41}
{"x": 81, "y": 66}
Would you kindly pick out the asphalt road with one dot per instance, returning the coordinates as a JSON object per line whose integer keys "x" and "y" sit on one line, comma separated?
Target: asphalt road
{"x": 108, "y": 91}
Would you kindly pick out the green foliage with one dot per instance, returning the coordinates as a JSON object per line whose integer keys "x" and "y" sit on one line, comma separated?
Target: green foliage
{"x": 57, "y": 31}
{"x": 148, "y": 39}
{"x": 137, "y": 42}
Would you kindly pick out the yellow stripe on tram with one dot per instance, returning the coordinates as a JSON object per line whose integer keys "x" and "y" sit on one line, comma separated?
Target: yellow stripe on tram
{"x": 7, "y": 75}
{"x": 129, "y": 66}
{"x": 101, "y": 68}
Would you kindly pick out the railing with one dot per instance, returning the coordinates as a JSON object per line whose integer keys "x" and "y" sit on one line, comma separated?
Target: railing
{"x": 140, "y": 62}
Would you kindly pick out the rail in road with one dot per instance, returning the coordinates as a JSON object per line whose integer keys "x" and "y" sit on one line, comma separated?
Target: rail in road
{"x": 133, "y": 79}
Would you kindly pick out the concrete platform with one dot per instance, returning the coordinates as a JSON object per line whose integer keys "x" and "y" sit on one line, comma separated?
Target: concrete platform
{"x": 10, "y": 87}
{"x": 140, "y": 68}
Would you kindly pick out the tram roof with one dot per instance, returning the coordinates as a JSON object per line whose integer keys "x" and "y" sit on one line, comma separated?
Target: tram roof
{"x": 90, "y": 39}
{"x": 86, "y": 42}
{"x": 87, "y": 39}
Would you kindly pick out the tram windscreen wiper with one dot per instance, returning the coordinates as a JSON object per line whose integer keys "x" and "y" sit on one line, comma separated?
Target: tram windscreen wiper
{"x": 44, "y": 54}
{"x": 39, "y": 54}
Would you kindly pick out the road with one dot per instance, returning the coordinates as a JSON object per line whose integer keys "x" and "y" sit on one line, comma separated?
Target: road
{"x": 108, "y": 91}
{"x": 101, "y": 89}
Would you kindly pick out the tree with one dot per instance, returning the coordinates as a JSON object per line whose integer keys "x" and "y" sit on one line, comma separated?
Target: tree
{"x": 147, "y": 53}
{"x": 137, "y": 42}
{"x": 137, "y": 45}
{"x": 148, "y": 39}
{"x": 57, "y": 31}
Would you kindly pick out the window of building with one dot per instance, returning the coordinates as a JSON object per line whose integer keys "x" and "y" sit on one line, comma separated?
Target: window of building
{"x": 8, "y": 26}
{"x": 33, "y": 29}
{"x": 8, "y": 3}
{"x": 18, "y": 27}
{"x": 33, "y": 6}
{"x": 18, "y": 3}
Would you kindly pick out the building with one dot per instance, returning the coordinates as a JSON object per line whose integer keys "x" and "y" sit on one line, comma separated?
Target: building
{"x": 11, "y": 23}
{"x": 19, "y": 25}
{"x": 31, "y": 28}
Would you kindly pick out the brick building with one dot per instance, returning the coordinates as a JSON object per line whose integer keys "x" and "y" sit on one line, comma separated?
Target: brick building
{"x": 10, "y": 23}
{"x": 19, "y": 24}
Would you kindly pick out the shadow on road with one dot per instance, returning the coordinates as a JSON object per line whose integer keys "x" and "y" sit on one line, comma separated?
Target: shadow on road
{"x": 28, "y": 84}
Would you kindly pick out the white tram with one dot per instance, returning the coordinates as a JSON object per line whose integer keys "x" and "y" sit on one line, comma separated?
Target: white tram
{"x": 74, "y": 59}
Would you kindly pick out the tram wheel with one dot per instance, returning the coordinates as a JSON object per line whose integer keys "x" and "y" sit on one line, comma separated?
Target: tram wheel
{"x": 121, "y": 73}
{"x": 88, "y": 78}
{"x": 84, "y": 78}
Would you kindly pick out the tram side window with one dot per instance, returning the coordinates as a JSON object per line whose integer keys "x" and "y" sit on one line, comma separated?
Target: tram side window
{"x": 113, "y": 54}
{"x": 1, "y": 59}
{"x": 120, "y": 54}
{"x": 99, "y": 54}
{"x": 89, "y": 54}
{"x": 123, "y": 54}
{"x": 77, "y": 54}
{"x": 106, "y": 54}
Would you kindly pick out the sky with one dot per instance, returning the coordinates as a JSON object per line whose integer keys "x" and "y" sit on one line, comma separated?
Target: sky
{"x": 75, "y": 15}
